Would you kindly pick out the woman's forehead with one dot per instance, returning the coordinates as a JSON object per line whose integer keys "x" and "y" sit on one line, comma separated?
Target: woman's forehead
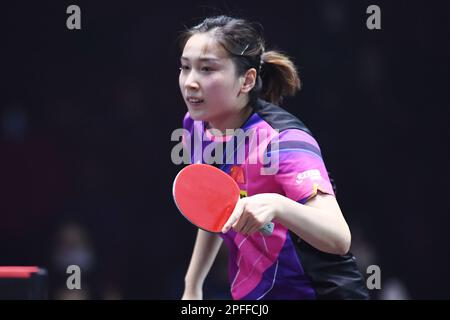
{"x": 203, "y": 46}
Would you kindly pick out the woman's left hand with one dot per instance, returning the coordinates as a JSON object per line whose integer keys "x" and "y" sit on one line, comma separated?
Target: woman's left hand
{"x": 252, "y": 213}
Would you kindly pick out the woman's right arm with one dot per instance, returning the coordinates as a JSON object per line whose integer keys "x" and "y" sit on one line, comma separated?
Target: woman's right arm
{"x": 205, "y": 251}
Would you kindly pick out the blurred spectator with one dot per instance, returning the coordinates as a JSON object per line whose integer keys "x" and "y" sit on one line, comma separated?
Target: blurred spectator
{"x": 393, "y": 289}
{"x": 73, "y": 247}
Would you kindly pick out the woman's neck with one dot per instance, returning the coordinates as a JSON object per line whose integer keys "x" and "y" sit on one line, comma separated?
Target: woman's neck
{"x": 234, "y": 121}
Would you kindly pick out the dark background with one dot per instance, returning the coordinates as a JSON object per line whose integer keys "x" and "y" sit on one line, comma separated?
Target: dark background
{"x": 86, "y": 118}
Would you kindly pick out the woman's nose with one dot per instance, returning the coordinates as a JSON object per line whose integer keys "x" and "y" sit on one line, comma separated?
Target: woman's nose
{"x": 191, "y": 81}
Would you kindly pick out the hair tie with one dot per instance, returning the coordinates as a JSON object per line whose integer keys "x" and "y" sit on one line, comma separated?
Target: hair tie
{"x": 261, "y": 64}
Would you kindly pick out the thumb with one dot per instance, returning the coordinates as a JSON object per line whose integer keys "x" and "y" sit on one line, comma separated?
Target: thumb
{"x": 235, "y": 215}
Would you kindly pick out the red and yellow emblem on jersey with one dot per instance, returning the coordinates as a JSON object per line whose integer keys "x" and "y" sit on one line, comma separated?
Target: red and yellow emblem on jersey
{"x": 237, "y": 173}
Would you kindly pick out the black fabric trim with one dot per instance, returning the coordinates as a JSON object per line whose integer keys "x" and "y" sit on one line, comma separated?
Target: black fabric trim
{"x": 279, "y": 118}
{"x": 295, "y": 145}
{"x": 333, "y": 277}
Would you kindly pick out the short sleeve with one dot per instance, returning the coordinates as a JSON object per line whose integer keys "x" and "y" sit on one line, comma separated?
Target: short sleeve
{"x": 301, "y": 170}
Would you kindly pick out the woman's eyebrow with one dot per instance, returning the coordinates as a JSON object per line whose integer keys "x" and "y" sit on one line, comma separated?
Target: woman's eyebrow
{"x": 202, "y": 59}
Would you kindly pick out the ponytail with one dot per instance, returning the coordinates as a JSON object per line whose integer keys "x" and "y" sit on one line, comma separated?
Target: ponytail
{"x": 279, "y": 77}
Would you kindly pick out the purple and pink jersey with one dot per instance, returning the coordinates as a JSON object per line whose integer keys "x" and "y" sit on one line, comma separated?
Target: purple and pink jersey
{"x": 269, "y": 267}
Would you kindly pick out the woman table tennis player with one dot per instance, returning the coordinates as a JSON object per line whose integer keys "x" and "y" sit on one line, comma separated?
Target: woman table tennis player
{"x": 229, "y": 80}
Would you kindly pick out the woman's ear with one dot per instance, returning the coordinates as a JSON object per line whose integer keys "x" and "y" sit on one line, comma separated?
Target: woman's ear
{"x": 249, "y": 80}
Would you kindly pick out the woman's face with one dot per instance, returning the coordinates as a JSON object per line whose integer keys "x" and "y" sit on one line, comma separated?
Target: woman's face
{"x": 208, "y": 80}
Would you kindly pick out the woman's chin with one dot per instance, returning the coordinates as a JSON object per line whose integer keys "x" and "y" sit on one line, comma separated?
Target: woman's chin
{"x": 198, "y": 115}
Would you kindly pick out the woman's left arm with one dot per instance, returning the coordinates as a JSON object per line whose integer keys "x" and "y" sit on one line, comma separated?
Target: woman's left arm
{"x": 319, "y": 221}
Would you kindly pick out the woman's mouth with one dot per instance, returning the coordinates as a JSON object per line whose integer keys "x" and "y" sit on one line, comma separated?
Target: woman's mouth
{"x": 194, "y": 101}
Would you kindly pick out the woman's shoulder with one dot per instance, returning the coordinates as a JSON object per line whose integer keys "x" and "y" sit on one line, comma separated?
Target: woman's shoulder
{"x": 280, "y": 119}
{"x": 291, "y": 133}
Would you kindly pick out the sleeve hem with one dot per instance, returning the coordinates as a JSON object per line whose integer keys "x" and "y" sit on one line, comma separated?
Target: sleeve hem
{"x": 315, "y": 190}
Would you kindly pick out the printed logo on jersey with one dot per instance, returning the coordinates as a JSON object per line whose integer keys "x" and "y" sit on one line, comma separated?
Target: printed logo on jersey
{"x": 313, "y": 174}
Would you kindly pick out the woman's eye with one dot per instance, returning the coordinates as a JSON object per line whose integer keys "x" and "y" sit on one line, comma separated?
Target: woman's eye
{"x": 207, "y": 69}
{"x": 184, "y": 68}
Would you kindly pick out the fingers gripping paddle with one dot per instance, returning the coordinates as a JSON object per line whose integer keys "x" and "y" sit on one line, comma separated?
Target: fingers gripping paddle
{"x": 207, "y": 196}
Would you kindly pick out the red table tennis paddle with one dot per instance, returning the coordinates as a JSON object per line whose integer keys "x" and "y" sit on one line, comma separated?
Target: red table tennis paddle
{"x": 206, "y": 196}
